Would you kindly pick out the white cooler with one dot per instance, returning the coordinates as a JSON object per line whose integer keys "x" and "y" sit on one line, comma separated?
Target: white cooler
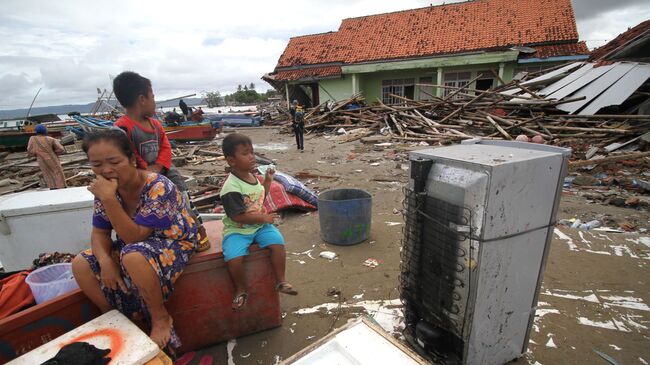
{"x": 33, "y": 222}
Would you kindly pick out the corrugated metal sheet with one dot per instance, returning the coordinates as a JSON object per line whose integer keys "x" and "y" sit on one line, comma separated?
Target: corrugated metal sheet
{"x": 553, "y": 74}
{"x": 565, "y": 81}
{"x": 596, "y": 87}
{"x": 582, "y": 81}
{"x": 600, "y": 86}
{"x": 620, "y": 91}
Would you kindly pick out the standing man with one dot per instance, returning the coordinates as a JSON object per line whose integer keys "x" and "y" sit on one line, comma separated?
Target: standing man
{"x": 298, "y": 115}
{"x": 184, "y": 109}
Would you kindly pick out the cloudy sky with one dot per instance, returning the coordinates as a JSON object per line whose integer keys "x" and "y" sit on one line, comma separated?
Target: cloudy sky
{"x": 71, "y": 47}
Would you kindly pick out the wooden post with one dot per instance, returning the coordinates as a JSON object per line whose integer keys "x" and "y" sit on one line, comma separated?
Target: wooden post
{"x": 439, "y": 91}
{"x": 286, "y": 88}
{"x": 501, "y": 70}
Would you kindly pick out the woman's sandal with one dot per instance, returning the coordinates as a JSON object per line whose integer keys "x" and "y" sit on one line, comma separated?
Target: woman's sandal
{"x": 204, "y": 244}
{"x": 285, "y": 288}
{"x": 239, "y": 301}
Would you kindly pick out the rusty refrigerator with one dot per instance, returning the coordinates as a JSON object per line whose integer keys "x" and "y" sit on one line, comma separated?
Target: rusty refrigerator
{"x": 479, "y": 219}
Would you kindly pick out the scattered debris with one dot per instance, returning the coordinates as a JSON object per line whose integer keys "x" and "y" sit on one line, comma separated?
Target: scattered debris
{"x": 607, "y": 358}
{"x": 331, "y": 292}
{"x": 328, "y": 255}
{"x": 372, "y": 263}
{"x": 47, "y": 258}
{"x": 390, "y": 224}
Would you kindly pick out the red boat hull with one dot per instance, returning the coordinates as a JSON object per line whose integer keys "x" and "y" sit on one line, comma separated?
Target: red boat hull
{"x": 186, "y": 133}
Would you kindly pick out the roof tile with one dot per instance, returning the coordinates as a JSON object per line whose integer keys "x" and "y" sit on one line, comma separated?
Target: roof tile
{"x": 307, "y": 73}
{"x": 553, "y": 50}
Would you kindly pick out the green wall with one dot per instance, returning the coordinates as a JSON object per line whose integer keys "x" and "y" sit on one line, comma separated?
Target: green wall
{"x": 370, "y": 83}
{"x": 338, "y": 89}
{"x": 370, "y": 76}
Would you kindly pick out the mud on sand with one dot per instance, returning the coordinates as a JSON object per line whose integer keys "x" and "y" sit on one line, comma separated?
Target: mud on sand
{"x": 595, "y": 292}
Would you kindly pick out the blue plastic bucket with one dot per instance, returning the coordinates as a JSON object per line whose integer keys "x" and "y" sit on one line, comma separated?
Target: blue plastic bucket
{"x": 345, "y": 216}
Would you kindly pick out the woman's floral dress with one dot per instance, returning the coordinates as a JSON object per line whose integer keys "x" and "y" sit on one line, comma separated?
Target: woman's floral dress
{"x": 168, "y": 249}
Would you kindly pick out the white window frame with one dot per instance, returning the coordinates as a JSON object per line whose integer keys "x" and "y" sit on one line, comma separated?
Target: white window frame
{"x": 455, "y": 79}
{"x": 396, "y": 87}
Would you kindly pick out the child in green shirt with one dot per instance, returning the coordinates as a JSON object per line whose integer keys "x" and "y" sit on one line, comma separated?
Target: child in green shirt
{"x": 246, "y": 219}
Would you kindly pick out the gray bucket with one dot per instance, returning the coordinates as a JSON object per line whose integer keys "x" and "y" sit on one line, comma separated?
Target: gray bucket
{"x": 345, "y": 216}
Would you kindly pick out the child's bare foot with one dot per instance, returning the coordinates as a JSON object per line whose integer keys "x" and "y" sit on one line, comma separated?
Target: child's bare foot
{"x": 161, "y": 330}
{"x": 286, "y": 288}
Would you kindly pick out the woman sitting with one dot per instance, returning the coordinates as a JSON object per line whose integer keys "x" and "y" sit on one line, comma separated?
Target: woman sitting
{"x": 156, "y": 237}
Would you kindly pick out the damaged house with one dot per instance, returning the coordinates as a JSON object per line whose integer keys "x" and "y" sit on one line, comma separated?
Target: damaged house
{"x": 482, "y": 42}
{"x": 613, "y": 81}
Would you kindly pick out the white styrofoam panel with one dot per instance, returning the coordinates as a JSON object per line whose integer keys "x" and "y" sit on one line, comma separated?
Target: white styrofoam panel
{"x": 129, "y": 345}
{"x": 357, "y": 345}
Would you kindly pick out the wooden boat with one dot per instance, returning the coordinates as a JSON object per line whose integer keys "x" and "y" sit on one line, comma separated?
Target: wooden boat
{"x": 17, "y": 140}
{"x": 184, "y": 132}
{"x": 187, "y": 132}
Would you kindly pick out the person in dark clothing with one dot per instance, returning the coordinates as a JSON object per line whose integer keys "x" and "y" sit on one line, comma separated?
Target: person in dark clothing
{"x": 298, "y": 115}
{"x": 184, "y": 108}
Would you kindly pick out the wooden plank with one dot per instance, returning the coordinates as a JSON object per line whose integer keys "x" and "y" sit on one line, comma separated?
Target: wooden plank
{"x": 205, "y": 198}
{"x": 498, "y": 127}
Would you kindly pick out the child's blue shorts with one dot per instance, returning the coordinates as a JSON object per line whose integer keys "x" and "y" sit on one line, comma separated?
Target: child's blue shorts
{"x": 236, "y": 244}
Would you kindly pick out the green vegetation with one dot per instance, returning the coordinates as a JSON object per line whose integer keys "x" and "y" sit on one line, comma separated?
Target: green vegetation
{"x": 245, "y": 94}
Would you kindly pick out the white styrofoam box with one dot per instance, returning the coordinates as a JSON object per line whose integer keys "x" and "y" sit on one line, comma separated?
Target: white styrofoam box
{"x": 112, "y": 330}
{"x": 33, "y": 222}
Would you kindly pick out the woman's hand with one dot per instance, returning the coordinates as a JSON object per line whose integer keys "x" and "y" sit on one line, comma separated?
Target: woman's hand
{"x": 110, "y": 275}
{"x": 103, "y": 188}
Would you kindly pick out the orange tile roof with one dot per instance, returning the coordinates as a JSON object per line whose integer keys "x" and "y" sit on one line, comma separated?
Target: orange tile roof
{"x": 435, "y": 30}
{"x": 307, "y": 73}
{"x": 553, "y": 50}
{"x": 311, "y": 49}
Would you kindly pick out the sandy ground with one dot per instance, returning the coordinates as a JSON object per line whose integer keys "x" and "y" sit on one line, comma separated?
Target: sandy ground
{"x": 594, "y": 297}
{"x": 595, "y": 293}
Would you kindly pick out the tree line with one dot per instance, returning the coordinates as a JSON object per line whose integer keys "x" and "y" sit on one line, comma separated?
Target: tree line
{"x": 245, "y": 94}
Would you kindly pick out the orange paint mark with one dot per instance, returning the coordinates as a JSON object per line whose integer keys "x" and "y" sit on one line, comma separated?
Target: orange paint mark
{"x": 114, "y": 336}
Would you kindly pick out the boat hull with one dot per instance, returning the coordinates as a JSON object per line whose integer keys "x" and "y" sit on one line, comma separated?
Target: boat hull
{"x": 19, "y": 140}
{"x": 187, "y": 133}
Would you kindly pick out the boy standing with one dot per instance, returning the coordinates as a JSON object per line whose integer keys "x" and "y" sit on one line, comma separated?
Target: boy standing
{"x": 246, "y": 219}
{"x": 147, "y": 136}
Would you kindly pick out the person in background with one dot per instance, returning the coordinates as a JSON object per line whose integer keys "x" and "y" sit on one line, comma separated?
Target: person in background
{"x": 148, "y": 139}
{"x": 184, "y": 109}
{"x": 156, "y": 236}
{"x": 197, "y": 115}
{"x": 298, "y": 115}
{"x": 246, "y": 219}
{"x": 47, "y": 151}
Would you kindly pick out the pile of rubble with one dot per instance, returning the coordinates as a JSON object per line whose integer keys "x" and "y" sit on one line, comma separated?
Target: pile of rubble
{"x": 610, "y": 151}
